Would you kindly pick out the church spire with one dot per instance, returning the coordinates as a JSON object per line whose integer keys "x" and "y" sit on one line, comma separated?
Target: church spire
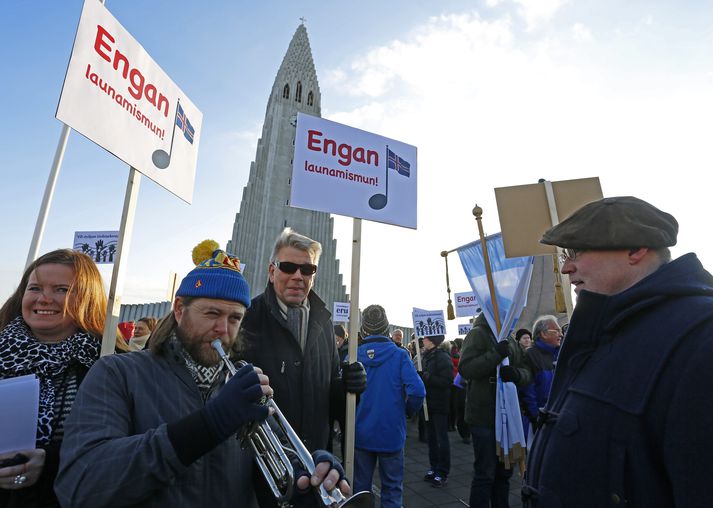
{"x": 296, "y": 81}
{"x": 265, "y": 205}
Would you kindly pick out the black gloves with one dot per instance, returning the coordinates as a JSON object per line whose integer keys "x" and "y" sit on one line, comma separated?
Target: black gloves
{"x": 503, "y": 348}
{"x": 509, "y": 374}
{"x": 237, "y": 403}
{"x": 353, "y": 377}
{"x": 318, "y": 456}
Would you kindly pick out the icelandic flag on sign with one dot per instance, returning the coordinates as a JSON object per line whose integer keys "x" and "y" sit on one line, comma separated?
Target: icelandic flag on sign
{"x": 184, "y": 124}
{"x": 397, "y": 163}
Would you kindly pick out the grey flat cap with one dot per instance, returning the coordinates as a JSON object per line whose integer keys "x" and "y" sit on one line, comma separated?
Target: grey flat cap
{"x": 623, "y": 222}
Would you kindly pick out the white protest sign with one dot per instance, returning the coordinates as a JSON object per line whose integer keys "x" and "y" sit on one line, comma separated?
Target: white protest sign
{"x": 463, "y": 329}
{"x": 341, "y": 312}
{"x": 348, "y": 171}
{"x": 428, "y": 322}
{"x": 466, "y": 305}
{"x": 98, "y": 245}
{"x": 118, "y": 97}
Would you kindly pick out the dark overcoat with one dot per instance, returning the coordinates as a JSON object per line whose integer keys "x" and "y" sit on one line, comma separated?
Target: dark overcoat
{"x": 305, "y": 382}
{"x": 630, "y": 411}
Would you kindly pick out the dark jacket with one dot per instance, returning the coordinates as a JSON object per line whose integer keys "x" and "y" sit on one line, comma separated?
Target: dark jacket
{"x": 116, "y": 449}
{"x": 478, "y": 365}
{"x": 630, "y": 406}
{"x": 438, "y": 378}
{"x": 303, "y": 383}
{"x": 542, "y": 358}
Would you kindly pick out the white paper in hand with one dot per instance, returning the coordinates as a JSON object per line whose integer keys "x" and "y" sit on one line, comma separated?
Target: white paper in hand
{"x": 19, "y": 403}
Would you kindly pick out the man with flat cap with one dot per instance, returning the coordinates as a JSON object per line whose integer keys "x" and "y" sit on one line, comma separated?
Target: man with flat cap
{"x": 629, "y": 415}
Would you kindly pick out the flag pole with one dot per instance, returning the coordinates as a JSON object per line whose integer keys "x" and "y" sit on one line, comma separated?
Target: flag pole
{"x": 387, "y": 172}
{"x": 449, "y": 309}
{"x": 561, "y": 278}
{"x": 478, "y": 212}
{"x": 354, "y": 325}
{"x": 49, "y": 193}
{"x": 419, "y": 367}
{"x": 122, "y": 252}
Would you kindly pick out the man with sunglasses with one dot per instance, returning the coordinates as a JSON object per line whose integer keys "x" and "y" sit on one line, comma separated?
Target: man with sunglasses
{"x": 288, "y": 333}
{"x": 629, "y": 415}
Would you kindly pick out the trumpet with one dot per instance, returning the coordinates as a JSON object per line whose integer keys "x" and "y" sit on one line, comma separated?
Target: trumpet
{"x": 271, "y": 455}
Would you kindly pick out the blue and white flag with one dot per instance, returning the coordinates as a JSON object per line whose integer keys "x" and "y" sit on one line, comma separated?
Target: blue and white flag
{"x": 184, "y": 124}
{"x": 401, "y": 166}
{"x": 511, "y": 278}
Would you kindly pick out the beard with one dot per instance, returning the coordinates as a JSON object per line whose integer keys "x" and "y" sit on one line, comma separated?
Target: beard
{"x": 196, "y": 347}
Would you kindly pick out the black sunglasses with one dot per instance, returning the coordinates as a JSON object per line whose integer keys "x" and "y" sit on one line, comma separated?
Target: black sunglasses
{"x": 289, "y": 267}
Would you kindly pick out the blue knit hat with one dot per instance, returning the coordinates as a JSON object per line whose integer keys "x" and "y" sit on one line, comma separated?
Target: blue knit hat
{"x": 216, "y": 275}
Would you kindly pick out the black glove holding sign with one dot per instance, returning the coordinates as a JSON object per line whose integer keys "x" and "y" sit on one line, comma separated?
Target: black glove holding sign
{"x": 503, "y": 348}
{"x": 353, "y": 377}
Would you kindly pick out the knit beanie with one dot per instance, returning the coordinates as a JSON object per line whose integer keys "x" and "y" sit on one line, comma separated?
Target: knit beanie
{"x": 339, "y": 331}
{"x": 216, "y": 275}
{"x": 437, "y": 340}
{"x": 521, "y": 332}
{"x": 374, "y": 321}
{"x": 127, "y": 329}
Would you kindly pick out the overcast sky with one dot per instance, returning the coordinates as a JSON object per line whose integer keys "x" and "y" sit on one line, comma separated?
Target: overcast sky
{"x": 493, "y": 93}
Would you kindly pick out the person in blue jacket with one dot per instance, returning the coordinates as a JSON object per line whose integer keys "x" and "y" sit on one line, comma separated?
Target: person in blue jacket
{"x": 542, "y": 356}
{"x": 394, "y": 391}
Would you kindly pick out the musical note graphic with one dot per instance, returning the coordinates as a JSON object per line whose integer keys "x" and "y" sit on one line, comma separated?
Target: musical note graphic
{"x": 161, "y": 159}
{"x": 393, "y": 161}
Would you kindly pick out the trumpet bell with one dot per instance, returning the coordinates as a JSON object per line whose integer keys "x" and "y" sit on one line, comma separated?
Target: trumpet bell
{"x": 363, "y": 499}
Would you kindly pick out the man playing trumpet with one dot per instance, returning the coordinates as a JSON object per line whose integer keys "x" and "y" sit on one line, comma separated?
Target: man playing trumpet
{"x": 157, "y": 427}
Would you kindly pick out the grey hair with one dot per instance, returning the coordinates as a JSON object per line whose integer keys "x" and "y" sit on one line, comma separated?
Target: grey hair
{"x": 664, "y": 255}
{"x": 291, "y": 238}
{"x": 541, "y": 325}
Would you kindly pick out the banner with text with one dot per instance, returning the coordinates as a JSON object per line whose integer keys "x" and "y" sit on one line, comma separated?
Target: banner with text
{"x": 98, "y": 245}
{"x": 466, "y": 304}
{"x": 348, "y": 171}
{"x": 118, "y": 97}
{"x": 428, "y": 322}
{"x": 341, "y": 312}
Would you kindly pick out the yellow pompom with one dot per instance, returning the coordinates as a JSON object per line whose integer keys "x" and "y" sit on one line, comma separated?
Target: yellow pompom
{"x": 204, "y": 250}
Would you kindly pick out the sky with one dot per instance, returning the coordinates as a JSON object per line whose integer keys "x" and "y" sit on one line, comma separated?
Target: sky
{"x": 493, "y": 93}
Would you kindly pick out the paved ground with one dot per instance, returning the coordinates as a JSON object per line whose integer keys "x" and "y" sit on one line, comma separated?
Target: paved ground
{"x": 419, "y": 494}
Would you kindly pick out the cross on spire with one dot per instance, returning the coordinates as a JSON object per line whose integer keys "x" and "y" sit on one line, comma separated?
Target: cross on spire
{"x": 303, "y": 20}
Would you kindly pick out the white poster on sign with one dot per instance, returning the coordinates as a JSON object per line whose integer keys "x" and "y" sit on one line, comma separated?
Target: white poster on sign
{"x": 466, "y": 306}
{"x": 98, "y": 245}
{"x": 341, "y": 312}
{"x": 118, "y": 97}
{"x": 428, "y": 322}
{"x": 463, "y": 329}
{"x": 348, "y": 171}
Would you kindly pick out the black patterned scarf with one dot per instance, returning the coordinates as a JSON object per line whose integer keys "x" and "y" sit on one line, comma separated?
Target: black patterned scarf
{"x": 21, "y": 354}
{"x": 203, "y": 376}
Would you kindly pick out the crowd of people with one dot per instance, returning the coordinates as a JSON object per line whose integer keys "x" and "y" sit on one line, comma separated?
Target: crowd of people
{"x": 614, "y": 406}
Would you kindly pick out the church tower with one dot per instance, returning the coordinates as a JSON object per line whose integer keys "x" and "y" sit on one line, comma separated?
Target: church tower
{"x": 264, "y": 208}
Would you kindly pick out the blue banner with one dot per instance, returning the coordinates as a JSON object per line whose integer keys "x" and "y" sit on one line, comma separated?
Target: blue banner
{"x": 511, "y": 278}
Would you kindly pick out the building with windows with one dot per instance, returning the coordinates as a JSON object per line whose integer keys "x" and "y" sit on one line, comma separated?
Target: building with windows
{"x": 264, "y": 207}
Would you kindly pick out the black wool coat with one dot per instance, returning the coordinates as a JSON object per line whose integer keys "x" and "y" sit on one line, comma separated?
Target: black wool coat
{"x": 305, "y": 384}
{"x": 630, "y": 410}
